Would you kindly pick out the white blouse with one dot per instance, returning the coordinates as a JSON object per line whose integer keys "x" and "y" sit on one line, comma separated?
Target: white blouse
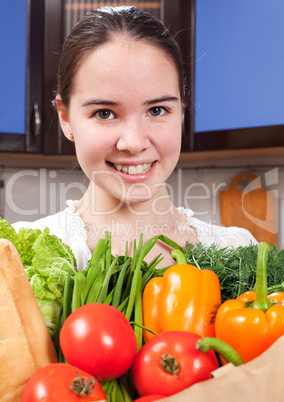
{"x": 70, "y": 228}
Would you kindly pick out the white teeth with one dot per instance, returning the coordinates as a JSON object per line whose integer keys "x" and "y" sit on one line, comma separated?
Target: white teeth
{"x": 139, "y": 169}
{"x": 133, "y": 170}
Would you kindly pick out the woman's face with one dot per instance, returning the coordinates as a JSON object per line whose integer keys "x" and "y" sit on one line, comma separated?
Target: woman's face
{"x": 125, "y": 114}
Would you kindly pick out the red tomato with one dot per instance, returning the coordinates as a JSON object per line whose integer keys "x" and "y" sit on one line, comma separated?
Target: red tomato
{"x": 98, "y": 338}
{"x": 52, "y": 384}
{"x": 149, "y": 376}
{"x": 149, "y": 398}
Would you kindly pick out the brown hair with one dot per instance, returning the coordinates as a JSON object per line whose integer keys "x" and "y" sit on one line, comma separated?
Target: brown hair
{"x": 98, "y": 27}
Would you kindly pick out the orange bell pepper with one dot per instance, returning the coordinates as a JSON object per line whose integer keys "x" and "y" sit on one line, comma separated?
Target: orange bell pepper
{"x": 183, "y": 299}
{"x": 254, "y": 321}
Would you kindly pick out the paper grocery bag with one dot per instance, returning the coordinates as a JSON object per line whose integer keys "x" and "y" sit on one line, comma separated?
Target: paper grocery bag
{"x": 259, "y": 380}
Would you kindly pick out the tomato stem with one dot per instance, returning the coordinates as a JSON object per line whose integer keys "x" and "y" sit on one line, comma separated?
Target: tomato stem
{"x": 82, "y": 388}
{"x": 170, "y": 364}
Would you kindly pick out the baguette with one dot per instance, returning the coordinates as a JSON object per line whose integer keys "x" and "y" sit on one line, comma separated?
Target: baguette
{"x": 25, "y": 343}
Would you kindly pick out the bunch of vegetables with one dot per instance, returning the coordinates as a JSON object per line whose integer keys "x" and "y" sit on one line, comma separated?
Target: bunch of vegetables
{"x": 184, "y": 298}
{"x": 100, "y": 315}
{"x": 236, "y": 267}
{"x": 182, "y": 352}
{"x": 117, "y": 281}
{"x": 255, "y": 320}
{"x": 100, "y": 346}
{"x": 120, "y": 282}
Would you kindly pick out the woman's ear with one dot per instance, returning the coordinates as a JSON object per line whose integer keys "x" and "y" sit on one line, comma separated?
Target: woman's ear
{"x": 63, "y": 117}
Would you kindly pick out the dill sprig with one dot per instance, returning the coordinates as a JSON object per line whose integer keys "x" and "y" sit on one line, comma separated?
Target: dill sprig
{"x": 236, "y": 267}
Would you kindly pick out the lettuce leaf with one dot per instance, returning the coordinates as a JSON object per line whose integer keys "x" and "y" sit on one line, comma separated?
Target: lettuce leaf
{"x": 40, "y": 288}
{"x": 23, "y": 241}
{"x": 51, "y": 253}
{"x": 50, "y": 310}
{"x": 26, "y": 239}
{"x": 8, "y": 232}
{"x": 48, "y": 247}
{"x": 47, "y": 261}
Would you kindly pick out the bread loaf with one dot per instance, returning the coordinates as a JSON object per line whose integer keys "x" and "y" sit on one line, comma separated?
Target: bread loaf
{"x": 25, "y": 343}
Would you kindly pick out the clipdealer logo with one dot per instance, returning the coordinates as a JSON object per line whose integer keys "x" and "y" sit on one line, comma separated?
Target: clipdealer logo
{"x": 50, "y": 193}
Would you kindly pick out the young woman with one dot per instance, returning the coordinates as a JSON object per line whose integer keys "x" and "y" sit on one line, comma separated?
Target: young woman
{"x": 120, "y": 97}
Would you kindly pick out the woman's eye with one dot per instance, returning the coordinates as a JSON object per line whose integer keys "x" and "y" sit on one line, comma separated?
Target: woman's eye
{"x": 157, "y": 111}
{"x": 104, "y": 114}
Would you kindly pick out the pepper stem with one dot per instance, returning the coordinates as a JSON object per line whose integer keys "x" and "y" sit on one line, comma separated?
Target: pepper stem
{"x": 261, "y": 300}
{"x": 221, "y": 347}
{"x": 179, "y": 256}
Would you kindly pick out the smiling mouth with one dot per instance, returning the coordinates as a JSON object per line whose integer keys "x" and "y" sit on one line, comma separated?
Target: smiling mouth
{"x": 133, "y": 170}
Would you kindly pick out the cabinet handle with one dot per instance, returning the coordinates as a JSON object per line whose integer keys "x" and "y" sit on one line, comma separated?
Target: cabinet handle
{"x": 37, "y": 120}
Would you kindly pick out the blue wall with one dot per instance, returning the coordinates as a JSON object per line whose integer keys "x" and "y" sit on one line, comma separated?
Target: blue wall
{"x": 239, "y": 64}
{"x": 13, "y": 38}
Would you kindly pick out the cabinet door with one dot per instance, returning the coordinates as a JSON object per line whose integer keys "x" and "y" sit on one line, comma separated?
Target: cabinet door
{"x": 21, "y": 75}
{"x": 239, "y": 80}
{"x": 13, "y": 44}
{"x": 61, "y": 16}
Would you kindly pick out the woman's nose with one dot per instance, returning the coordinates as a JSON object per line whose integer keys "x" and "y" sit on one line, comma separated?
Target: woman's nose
{"x": 133, "y": 139}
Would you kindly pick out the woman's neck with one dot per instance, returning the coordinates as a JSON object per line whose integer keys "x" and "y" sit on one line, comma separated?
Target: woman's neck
{"x": 96, "y": 207}
{"x": 127, "y": 222}
{"x": 102, "y": 213}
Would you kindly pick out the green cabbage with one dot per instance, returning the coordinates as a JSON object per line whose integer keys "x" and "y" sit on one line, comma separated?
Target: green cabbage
{"x": 26, "y": 239}
{"x": 47, "y": 261}
{"x": 8, "y": 232}
{"x": 50, "y": 310}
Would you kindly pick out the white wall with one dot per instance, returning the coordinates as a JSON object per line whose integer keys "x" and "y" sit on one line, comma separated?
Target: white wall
{"x": 199, "y": 190}
{"x": 32, "y": 193}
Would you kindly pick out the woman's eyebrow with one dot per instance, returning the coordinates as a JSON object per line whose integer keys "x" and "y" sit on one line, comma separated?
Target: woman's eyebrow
{"x": 94, "y": 101}
{"x": 162, "y": 99}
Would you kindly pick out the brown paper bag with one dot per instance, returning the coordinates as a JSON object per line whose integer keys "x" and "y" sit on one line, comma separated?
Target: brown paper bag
{"x": 259, "y": 380}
